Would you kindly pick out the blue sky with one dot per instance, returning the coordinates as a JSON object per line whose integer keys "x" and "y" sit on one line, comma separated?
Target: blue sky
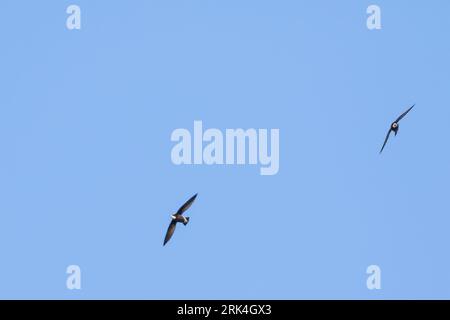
{"x": 87, "y": 179}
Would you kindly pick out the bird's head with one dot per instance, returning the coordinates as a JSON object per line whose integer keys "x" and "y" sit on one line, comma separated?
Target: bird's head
{"x": 173, "y": 217}
{"x": 394, "y": 126}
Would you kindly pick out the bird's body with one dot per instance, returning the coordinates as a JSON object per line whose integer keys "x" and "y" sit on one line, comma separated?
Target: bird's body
{"x": 394, "y": 127}
{"x": 178, "y": 218}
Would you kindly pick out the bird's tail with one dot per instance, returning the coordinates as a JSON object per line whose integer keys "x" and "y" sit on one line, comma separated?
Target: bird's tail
{"x": 186, "y": 222}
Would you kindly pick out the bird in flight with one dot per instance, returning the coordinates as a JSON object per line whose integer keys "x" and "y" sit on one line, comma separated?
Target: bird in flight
{"x": 394, "y": 127}
{"x": 178, "y": 217}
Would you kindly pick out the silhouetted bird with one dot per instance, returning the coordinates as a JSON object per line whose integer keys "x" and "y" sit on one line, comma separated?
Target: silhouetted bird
{"x": 394, "y": 127}
{"x": 178, "y": 217}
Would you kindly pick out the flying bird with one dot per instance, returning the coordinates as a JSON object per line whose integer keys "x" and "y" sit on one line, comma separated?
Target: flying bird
{"x": 178, "y": 217}
{"x": 394, "y": 127}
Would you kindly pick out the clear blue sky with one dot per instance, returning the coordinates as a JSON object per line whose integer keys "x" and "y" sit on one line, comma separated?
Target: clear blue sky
{"x": 86, "y": 176}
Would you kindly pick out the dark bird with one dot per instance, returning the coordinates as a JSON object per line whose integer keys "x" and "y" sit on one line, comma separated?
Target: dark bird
{"x": 178, "y": 217}
{"x": 394, "y": 127}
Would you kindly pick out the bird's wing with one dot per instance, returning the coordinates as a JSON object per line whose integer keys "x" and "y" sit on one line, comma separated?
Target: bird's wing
{"x": 386, "y": 140}
{"x": 187, "y": 205}
{"x": 170, "y": 231}
{"x": 404, "y": 114}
